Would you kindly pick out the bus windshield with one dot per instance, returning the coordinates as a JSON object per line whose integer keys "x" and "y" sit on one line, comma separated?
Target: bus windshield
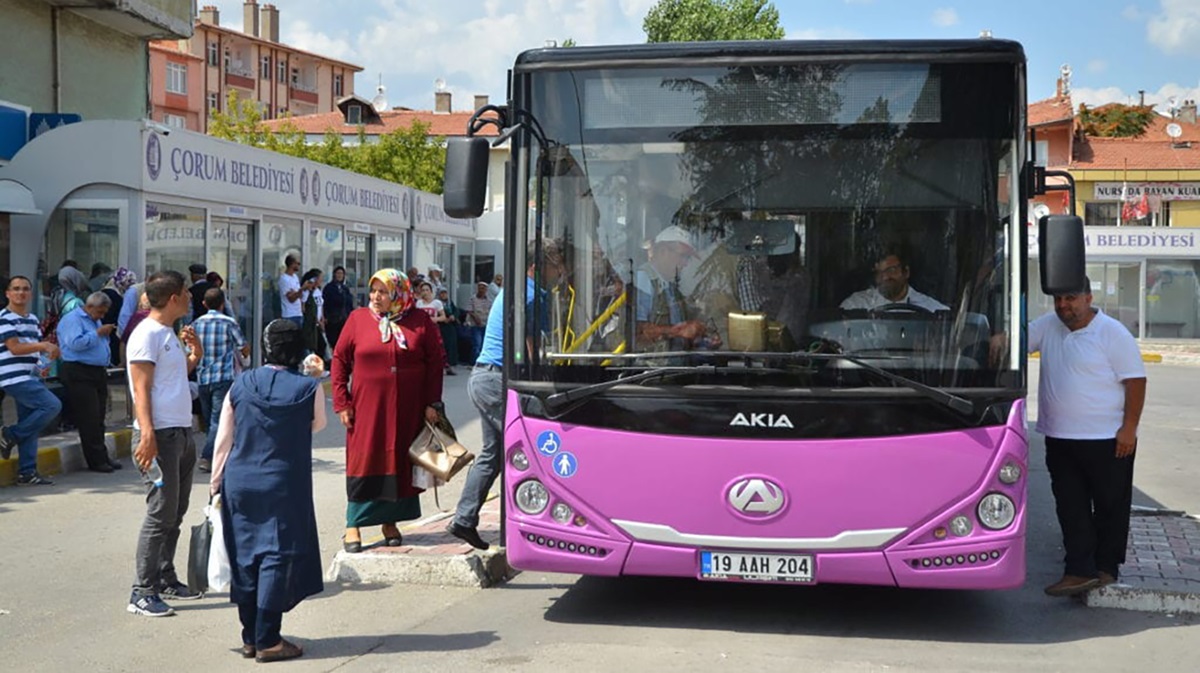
{"x": 732, "y": 218}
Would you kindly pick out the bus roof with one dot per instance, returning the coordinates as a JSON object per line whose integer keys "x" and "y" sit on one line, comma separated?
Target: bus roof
{"x": 770, "y": 51}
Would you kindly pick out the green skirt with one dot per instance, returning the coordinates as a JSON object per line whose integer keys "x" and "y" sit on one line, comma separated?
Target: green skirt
{"x": 379, "y": 512}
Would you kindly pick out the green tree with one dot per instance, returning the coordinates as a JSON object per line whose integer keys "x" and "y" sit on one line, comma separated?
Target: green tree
{"x": 711, "y": 20}
{"x": 1115, "y": 120}
{"x": 406, "y": 156}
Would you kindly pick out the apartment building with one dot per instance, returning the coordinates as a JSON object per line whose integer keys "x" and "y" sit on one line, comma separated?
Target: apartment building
{"x": 251, "y": 63}
{"x": 60, "y": 63}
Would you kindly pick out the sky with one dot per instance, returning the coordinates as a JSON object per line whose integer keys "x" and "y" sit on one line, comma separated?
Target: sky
{"x": 1115, "y": 48}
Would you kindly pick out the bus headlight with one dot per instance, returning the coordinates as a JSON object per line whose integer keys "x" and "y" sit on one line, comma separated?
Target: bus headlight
{"x": 996, "y": 511}
{"x": 1010, "y": 473}
{"x": 532, "y": 497}
{"x": 960, "y": 526}
{"x": 519, "y": 460}
{"x": 561, "y": 512}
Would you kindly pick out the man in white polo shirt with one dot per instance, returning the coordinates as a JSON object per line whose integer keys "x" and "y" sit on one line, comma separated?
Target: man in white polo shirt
{"x": 1090, "y": 396}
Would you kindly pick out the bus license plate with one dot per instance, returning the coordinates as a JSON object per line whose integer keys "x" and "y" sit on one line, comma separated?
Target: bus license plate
{"x": 717, "y": 565}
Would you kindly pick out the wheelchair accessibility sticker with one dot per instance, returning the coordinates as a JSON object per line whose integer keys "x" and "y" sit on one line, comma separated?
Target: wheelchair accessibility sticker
{"x": 548, "y": 443}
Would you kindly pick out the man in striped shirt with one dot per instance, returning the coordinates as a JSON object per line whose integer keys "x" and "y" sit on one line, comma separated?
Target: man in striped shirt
{"x": 20, "y": 345}
{"x": 222, "y": 341}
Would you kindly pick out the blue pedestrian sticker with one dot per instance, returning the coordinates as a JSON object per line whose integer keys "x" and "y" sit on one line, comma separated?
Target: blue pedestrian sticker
{"x": 548, "y": 443}
{"x": 565, "y": 465}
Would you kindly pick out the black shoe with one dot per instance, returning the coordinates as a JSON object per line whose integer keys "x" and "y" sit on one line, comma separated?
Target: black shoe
{"x": 450, "y": 371}
{"x": 468, "y": 535}
{"x": 115, "y": 464}
{"x": 6, "y": 444}
{"x": 204, "y": 465}
{"x": 33, "y": 479}
{"x": 104, "y": 468}
{"x": 352, "y": 546}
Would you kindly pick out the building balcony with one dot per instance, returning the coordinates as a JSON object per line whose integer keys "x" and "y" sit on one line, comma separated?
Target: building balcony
{"x": 146, "y": 19}
{"x": 239, "y": 80}
{"x": 295, "y": 92}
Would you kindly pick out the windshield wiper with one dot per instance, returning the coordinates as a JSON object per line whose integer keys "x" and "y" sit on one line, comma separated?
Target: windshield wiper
{"x": 955, "y": 402}
{"x": 568, "y": 396}
{"x": 958, "y": 403}
{"x": 584, "y": 392}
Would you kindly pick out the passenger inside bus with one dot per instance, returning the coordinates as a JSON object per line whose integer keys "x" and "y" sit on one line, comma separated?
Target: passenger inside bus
{"x": 891, "y": 287}
{"x": 665, "y": 321}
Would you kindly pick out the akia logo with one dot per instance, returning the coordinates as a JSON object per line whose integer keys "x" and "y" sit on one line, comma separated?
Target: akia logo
{"x": 762, "y": 421}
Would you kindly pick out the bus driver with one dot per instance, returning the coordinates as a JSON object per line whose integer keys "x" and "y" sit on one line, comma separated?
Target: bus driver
{"x": 891, "y": 287}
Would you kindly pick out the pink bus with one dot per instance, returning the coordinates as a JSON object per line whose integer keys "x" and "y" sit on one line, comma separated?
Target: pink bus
{"x": 769, "y": 341}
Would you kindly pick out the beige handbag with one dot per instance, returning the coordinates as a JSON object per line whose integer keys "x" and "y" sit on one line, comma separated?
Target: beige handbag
{"x": 439, "y": 453}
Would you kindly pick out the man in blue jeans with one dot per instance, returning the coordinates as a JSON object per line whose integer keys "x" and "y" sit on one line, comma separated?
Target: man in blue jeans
{"x": 223, "y": 342}
{"x": 20, "y": 346}
{"x": 486, "y": 390}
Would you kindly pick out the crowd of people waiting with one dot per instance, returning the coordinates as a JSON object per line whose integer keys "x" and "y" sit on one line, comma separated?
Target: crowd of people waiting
{"x": 166, "y": 331}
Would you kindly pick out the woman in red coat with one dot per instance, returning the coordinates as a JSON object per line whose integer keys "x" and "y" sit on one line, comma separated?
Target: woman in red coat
{"x": 387, "y": 380}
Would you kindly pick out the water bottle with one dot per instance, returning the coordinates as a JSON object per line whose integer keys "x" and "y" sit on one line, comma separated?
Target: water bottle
{"x": 155, "y": 473}
{"x": 43, "y": 365}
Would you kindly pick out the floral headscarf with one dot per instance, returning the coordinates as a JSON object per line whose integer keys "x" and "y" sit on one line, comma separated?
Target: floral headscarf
{"x": 399, "y": 288}
{"x": 122, "y": 279}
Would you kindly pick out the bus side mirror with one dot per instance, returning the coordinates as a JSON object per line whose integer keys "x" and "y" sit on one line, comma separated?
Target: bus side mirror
{"x": 1061, "y": 256}
{"x": 465, "y": 184}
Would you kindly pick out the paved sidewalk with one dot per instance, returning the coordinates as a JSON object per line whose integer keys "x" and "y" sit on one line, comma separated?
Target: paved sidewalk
{"x": 1162, "y": 570}
{"x": 1171, "y": 352}
{"x": 430, "y": 555}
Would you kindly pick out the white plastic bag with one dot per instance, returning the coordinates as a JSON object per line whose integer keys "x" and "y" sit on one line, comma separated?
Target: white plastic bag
{"x": 219, "y": 572}
{"x": 424, "y": 479}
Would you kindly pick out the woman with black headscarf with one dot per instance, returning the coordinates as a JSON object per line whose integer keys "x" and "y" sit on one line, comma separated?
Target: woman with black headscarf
{"x": 263, "y": 471}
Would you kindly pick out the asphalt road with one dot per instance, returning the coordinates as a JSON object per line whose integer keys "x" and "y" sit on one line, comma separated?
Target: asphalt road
{"x": 66, "y": 562}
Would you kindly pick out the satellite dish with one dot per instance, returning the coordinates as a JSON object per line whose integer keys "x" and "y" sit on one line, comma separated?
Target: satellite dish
{"x": 1039, "y": 211}
{"x": 439, "y": 85}
{"x": 1174, "y": 130}
{"x": 380, "y": 102}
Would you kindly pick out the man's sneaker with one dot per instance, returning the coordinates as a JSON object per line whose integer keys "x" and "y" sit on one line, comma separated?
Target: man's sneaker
{"x": 33, "y": 479}
{"x": 7, "y": 443}
{"x": 179, "y": 592}
{"x": 148, "y": 606}
{"x": 204, "y": 465}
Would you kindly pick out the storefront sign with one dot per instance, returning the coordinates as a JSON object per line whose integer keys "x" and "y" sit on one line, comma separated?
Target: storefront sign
{"x": 428, "y": 216}
{"x": 1166, "y": 191}
{"x": 195, "y": 165}
{"x": 1134, "y": 242}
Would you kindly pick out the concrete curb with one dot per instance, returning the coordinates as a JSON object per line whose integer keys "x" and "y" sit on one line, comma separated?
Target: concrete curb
{"x": 474, "y": 570}
{"x": 1124, "y": 597}
{"x": 62, "y": 453}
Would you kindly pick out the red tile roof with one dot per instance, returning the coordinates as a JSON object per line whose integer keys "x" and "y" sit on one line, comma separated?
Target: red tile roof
{"x": 440, "y": 123}
{"x": 1050, "y": 111}
{"x": 1134, "y": 154}
{"x": 1157, "y": 130}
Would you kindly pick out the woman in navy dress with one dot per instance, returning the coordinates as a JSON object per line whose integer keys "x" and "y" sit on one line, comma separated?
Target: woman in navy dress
{"x": 263, "y": 471}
